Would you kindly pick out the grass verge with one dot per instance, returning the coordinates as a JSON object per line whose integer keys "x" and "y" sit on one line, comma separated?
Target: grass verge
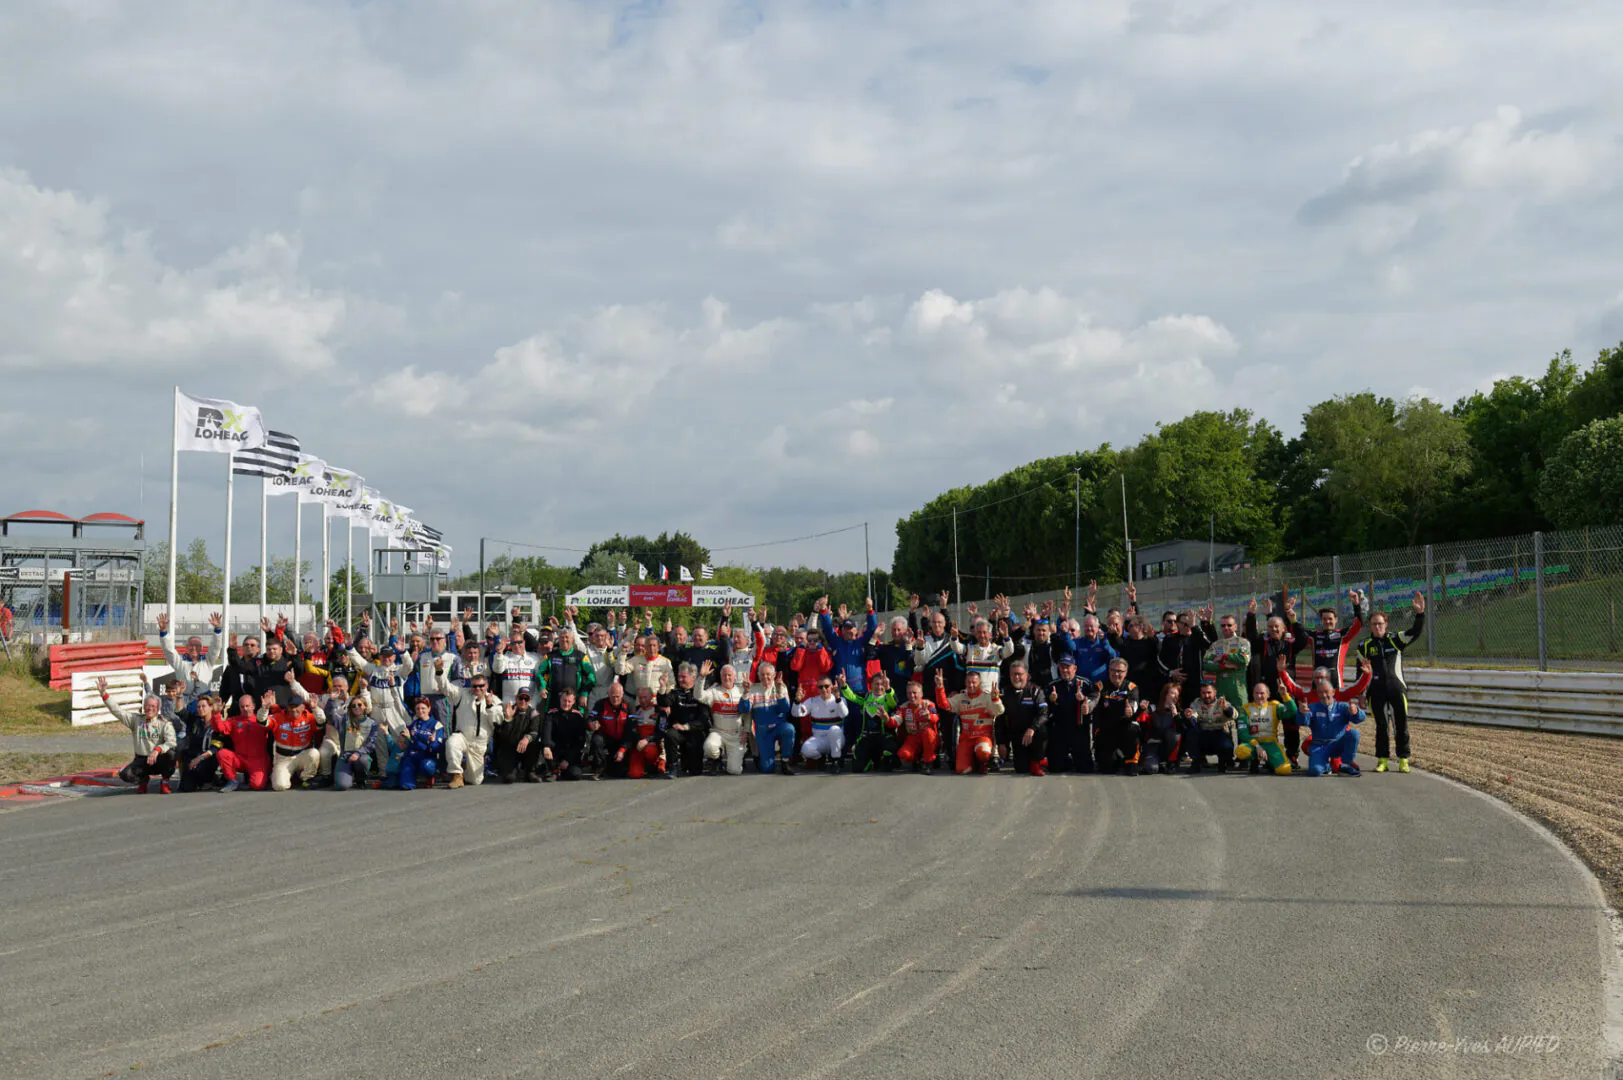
{"x": 15, "y": 768}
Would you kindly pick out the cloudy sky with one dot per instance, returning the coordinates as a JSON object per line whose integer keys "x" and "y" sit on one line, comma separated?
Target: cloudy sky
{"x": 549, "y": 269}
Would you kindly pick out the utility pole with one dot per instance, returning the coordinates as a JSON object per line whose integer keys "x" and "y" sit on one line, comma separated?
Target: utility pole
{"x": 1076, "y": 576}
{"x": 1211, "y": 567}
{"x": 481, "y": 581}
{"x": 867, "y": 568}
{"x": 1127, "y": 541}
{"x": 957, "y": 580}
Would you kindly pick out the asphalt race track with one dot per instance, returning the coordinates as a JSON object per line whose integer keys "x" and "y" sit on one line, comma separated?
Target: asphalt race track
{"x": 861, "y": 926}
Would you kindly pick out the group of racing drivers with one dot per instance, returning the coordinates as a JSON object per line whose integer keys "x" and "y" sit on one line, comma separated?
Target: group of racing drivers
{"x": 1039, "y": 693}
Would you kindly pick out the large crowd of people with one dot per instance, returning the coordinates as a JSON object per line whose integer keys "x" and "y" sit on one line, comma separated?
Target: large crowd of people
{"x": 831, "y": 691}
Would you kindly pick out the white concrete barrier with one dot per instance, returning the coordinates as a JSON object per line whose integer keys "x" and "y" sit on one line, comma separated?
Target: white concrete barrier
{"x": 1580, "y": 702}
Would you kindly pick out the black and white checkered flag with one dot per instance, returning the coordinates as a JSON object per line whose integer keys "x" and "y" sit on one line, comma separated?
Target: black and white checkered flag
{"x": 276, "y": 458}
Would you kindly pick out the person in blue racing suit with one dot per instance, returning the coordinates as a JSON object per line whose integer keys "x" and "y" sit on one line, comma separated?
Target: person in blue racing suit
{"x": 1332, "y": 715}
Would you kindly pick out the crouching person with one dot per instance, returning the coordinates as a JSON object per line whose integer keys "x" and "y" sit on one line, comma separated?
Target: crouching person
{"x": 154, "y": 739}
{"x": 563, "y": 739}
{"x": 768, "y": 708}
{"x": 475, "y": 712}
{"x": 516, "y": 742}
{"x": 295, "y": 755}
{"x": 346, "y": 752}
{"x": 420, "y": 746}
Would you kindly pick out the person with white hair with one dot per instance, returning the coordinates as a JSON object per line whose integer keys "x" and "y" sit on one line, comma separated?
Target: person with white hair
{"x": 724, "y": 742}
{"x": 768, "y": 706}
{"x": 154, "y": 739}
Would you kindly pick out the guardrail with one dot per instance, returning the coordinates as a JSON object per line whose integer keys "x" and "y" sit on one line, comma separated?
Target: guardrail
{"x": 1582, "y": 703}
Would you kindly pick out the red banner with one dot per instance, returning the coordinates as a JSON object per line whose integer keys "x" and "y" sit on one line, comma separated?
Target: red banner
{"x": 661, "y": 596}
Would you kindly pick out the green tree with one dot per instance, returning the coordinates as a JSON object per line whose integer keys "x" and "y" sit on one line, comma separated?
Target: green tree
{"x": 197, "y": 579}
{"x": 338, "y": 590}
{"x": 1206, "y": 464}
{"x": 670, "y": 549}
{"x": 1583, "y": 484}
{"x": 1600, "y": 393}
{"x": 278, "y": 584}
{"x": 1384, "y": 468}
{"x": 1513, "y": 428}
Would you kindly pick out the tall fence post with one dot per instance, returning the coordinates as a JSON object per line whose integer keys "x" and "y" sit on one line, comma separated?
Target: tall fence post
{"x": 1335, "y": 582}
{"x": 1431, "y": 613}
{"x": 1538, "y": 588}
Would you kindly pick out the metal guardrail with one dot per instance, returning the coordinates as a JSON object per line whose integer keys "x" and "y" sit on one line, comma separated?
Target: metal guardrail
{"x": 1575, "y": 702}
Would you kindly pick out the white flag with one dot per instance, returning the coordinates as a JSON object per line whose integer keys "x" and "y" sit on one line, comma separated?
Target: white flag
{"x": 303, "y": 477}
{"x": 216, "y": 425}
{"x": 622, "y": 568}
{"x": 706, "y": 571}
{"x": 335, "y": 487}
{"x": 687, "y": 575}
{"x": 642, "y": 572}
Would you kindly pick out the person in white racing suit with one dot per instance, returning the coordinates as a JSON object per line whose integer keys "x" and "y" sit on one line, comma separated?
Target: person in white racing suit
{"x": 724, "y": 743}
{"x": 827, "y": 712}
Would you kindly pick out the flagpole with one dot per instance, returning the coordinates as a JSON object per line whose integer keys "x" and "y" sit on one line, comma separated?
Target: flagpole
{"x": 298, "y": 555}
{"x": 174, "y": 504}
{"x": 230, "y": 502}
{"x": 349, "y": 573}
{"x": 326, "y": 567}
{"x": 264, "y": 506}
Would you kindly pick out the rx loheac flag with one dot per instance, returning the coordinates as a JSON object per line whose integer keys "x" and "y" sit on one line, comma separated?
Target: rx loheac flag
{"x": 214, "y": 425}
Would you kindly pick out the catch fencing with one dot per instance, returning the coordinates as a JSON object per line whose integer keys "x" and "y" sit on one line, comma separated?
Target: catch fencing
{"x": 1540, "y": 599}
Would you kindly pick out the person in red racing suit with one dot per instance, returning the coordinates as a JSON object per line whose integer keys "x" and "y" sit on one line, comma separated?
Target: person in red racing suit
{"x": 249, "y": 753}
{"x": 921, "y": 730}
{"x": 977, "y": 714}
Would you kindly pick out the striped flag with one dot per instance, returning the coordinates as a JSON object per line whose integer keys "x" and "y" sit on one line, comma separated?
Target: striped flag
{"x": 706, "y": 571}
{"x": 276, "y": 458}
{"x": 622, "y": 570}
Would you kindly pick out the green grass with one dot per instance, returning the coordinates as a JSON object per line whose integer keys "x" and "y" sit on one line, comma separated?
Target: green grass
{"x": 1582, "y": 622}
{"x": 29, "y": 707}
{"x": 17, "y": 768}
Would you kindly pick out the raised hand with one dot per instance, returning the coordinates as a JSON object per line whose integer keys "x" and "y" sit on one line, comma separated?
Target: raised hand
{"x": 1251, "y": 608}
{"x": 940, "y": 679}
{"x": 706, "y": 668}
{"x": 844, "y": 611}
{"x": 868, "y": 602}
{"x": 972, "y": 609}
{"x": 264, "y": 624}
{"x": 163, "y": 623}
{"x": 215, "y": 620}
{"x": 101, "y": 684}
{"x": 1419, "y": 603}
{"x": 1132, "y": 593}
{"x": 912, "y": 601}
{"x": 287, "y": 676}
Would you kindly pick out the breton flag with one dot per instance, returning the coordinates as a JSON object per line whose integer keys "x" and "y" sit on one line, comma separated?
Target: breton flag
{"x": 622, "y": 570}
{"x": 706, "y": 571}
{"x": 215, "y": 425}
{"x": 687, "y": 575}
{"x": 277, "y": 457}
{"x": 642, "y": 572}
{"x": 664, "y": 574}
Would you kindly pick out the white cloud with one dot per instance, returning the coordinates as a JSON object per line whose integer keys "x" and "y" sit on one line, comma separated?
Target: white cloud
{"x": 720, "y": 244}
{"x": 78, "y": 293}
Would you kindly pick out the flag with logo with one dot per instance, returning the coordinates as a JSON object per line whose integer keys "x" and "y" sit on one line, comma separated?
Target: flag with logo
{"x": 306, "y": 471}
{"x": 642, "y": 572}
{"x": 214, "y": 425}
{"x": 276, "y": 458}
{"x": 685, "y": 573}
{"x": 331, "y": 486}
{"x": 706, "y": 571}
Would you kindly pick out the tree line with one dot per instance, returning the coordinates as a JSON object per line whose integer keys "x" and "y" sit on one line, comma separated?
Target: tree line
{"x": 1366, "y": 472}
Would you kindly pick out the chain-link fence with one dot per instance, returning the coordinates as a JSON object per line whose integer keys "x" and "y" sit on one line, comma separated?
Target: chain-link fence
{"x": 1545, "y": 599}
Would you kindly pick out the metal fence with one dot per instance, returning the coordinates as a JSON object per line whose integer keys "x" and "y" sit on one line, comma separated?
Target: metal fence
{"x": 1544, "y": 599}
